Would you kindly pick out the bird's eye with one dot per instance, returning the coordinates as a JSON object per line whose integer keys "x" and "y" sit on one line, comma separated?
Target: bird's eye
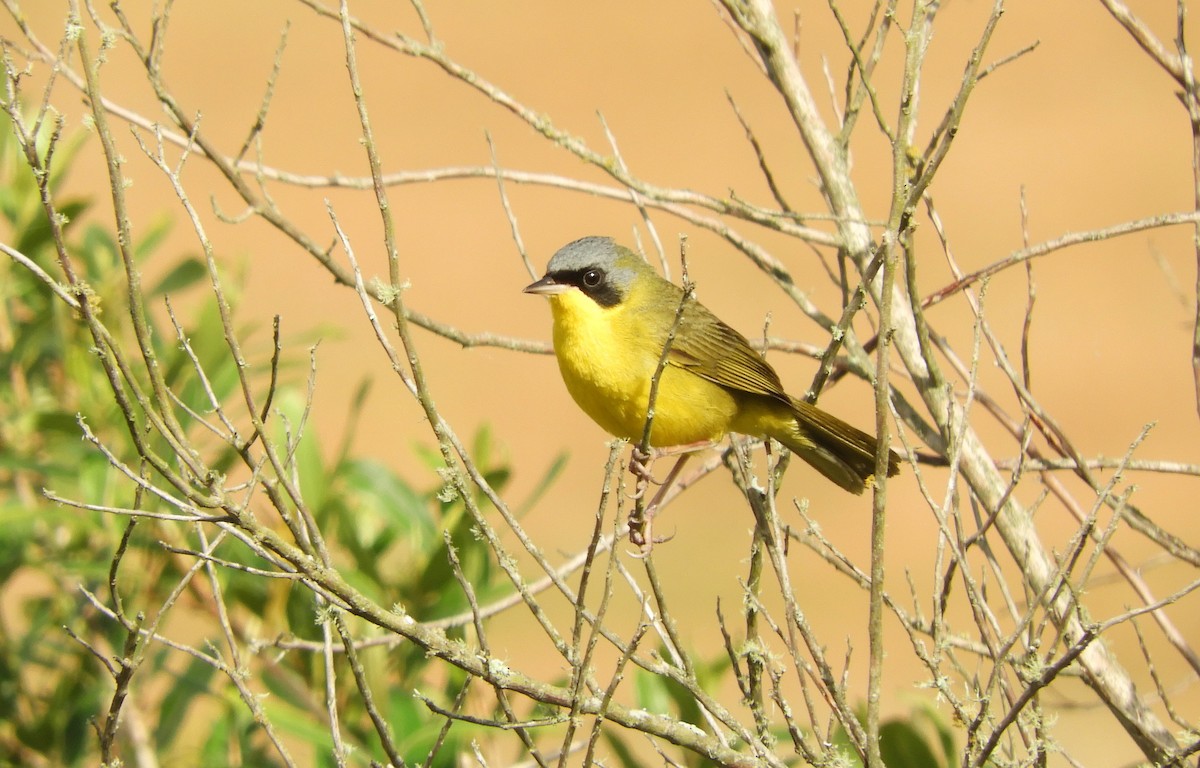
{"x": 592, "y": 278}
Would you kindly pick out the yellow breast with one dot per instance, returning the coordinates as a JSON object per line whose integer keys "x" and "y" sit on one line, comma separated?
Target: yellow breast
{"x": 608, "y": 355}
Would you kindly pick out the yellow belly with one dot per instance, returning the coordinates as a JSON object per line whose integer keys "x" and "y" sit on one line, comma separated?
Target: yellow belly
{"x": 607, "y": 359}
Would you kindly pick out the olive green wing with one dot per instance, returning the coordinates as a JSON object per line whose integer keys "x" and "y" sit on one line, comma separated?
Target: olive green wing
{"x": 711, "y": 349}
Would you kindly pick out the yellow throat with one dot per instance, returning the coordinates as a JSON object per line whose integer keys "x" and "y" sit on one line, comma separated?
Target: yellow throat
{"x": 608, "y": 356}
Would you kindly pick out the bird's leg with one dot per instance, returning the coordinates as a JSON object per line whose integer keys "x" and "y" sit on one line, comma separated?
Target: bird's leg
{"x": 641, "y": 523}
{"x": 639, "y": 467}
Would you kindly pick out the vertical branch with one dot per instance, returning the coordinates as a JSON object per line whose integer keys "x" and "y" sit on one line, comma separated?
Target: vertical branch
{"x": 754, "y": 652}
{"x": 324, "y": 613}
{"x": 388, "y": 221}
{"x": 383, "y": 730}
{"x": 581, "y": 659}
{"x": 895, "y": 239}
{"x": 640, "y": 530}
{"x": 879, "y": 513}
{"x": 1191, "y": 100}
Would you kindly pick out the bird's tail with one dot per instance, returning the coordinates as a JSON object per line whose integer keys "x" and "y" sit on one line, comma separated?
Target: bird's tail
{"x": 840, "y": 452}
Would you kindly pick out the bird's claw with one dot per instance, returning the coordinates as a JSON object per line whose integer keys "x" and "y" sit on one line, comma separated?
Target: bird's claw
{"x": 640, "y": 521}
{"x": 639, "y": 467}
{"x": 641, "y": 534}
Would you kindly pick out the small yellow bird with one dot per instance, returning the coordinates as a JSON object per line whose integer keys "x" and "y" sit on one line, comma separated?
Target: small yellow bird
{"x": 612, "y": 315}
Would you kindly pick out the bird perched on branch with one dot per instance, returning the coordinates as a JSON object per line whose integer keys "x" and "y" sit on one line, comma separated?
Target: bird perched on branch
{"x": 613, "y": 315}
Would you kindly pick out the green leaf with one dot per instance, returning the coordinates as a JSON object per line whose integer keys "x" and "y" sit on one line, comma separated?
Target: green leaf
{"x": 374, "y": 508}
{"x": 17, "y": 529}
{"x": 482, "y": 451}
{"x": 35, "y": 235}
{"x": 193, "y": 682}
{"x": 292, "y": 429}
{"x": 152, "y": 236}
{"x": 945, "y": 734}
{"x": 415, "y": 729}
{"x": 185, "y": 274}
{"x": 298, "y": 722}
{"x": 651, "y": 692}
{"x": 65, "y": 152}
{"x": 215, "y": 750}
{"x": 548, "y": 477}
{"x": 621, "y": 750}
{"x": 99, "y": 250}
{"x": 902, "y": 745}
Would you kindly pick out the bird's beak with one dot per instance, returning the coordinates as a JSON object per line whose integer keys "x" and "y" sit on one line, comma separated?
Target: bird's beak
{"x": 547, "y": 287}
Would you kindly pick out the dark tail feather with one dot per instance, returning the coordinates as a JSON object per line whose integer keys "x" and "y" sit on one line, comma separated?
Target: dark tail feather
{"x": 840, "y": 452}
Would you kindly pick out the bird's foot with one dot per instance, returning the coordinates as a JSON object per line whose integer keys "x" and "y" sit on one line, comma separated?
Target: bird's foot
{"x": 640, "y": 461}
{"x": 641, "y": 533}
{"x": 639, "y": 467}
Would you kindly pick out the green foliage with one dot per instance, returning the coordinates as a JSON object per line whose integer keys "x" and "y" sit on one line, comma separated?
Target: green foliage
{"x": 51, "y": 685}
{"x": 923, "y": 740}
{"x": 382, "y": 531}
{"x": 662, "y": 695}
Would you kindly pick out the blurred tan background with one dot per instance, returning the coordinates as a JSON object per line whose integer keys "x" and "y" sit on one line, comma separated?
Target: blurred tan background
{"x": 1084, "y": 127}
